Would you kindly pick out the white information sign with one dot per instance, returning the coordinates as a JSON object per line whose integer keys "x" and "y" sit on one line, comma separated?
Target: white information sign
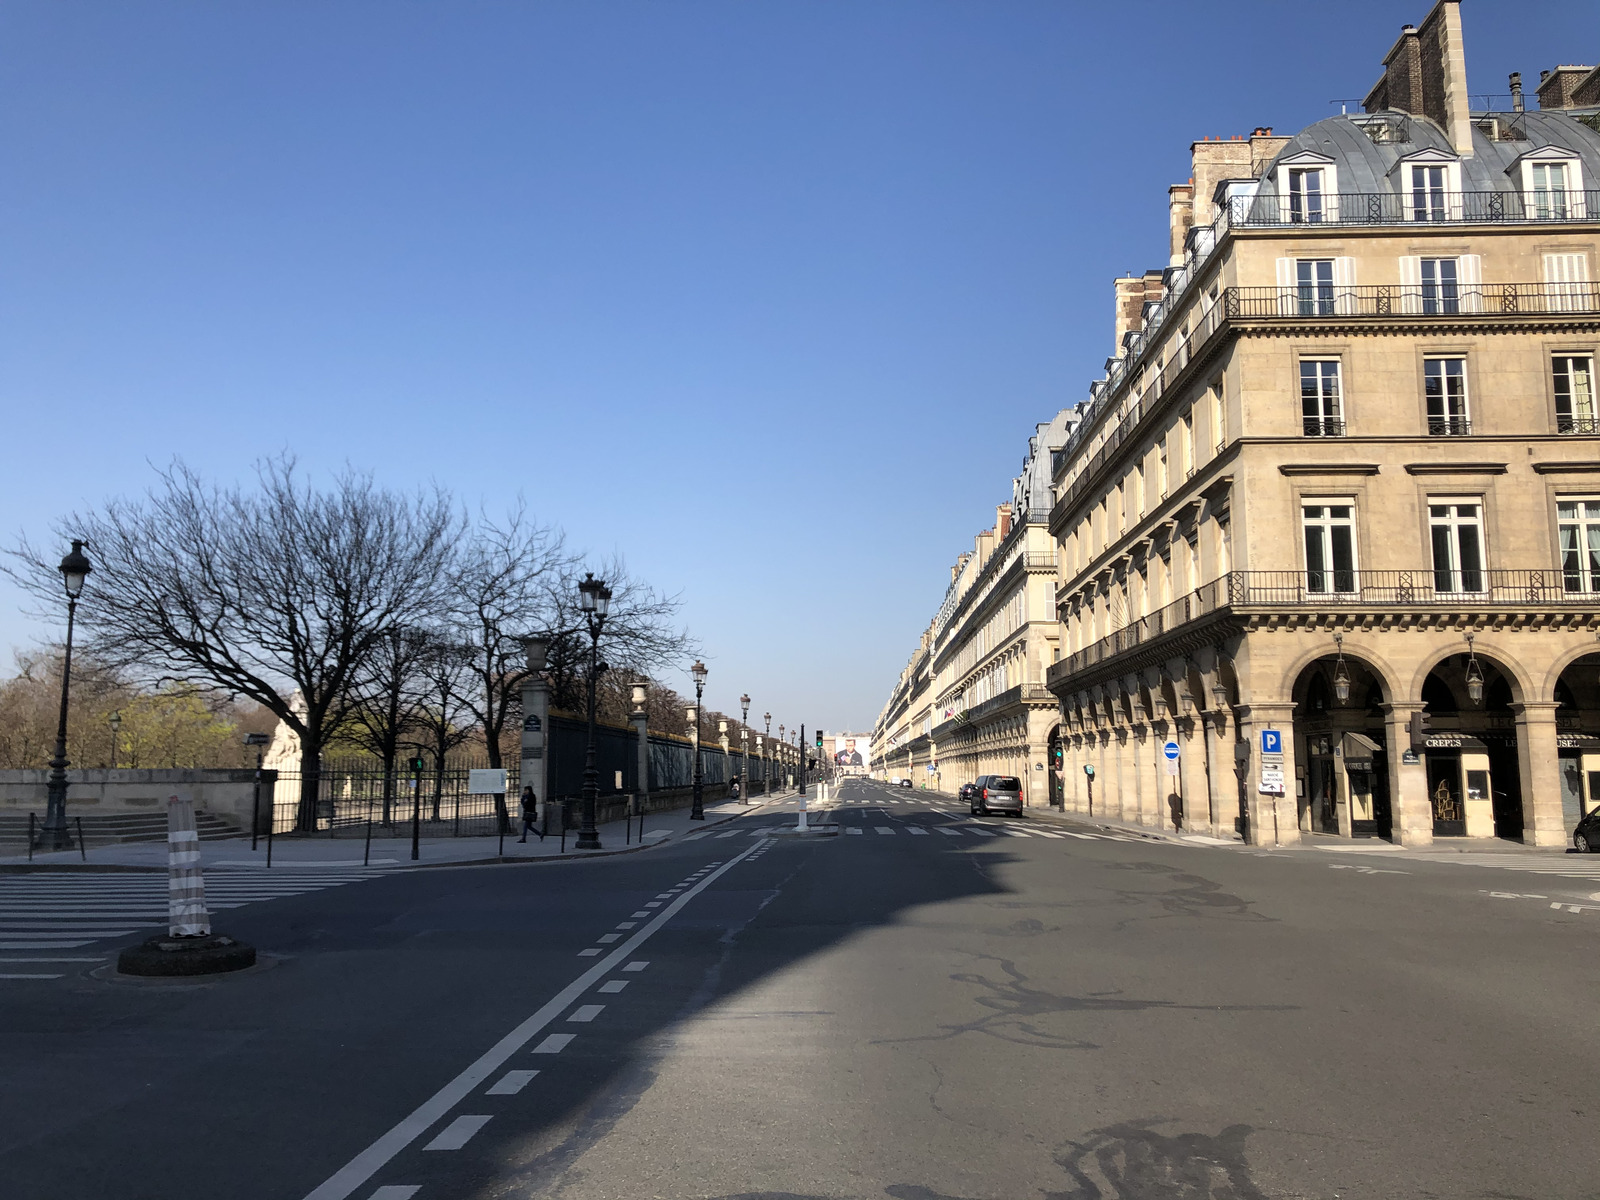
{"x": 1272, "y": 781}
{"x": 489, "y": 782}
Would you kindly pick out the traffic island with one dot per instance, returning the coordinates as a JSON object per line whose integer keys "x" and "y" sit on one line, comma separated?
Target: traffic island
{"x": 178, "y": 956}
{"x": 810, "y": 831}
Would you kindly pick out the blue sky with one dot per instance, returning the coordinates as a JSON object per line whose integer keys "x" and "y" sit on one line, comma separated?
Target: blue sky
{"x": 707, "y": 282}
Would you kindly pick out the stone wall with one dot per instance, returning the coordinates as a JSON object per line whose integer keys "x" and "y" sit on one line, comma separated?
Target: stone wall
{"x": 228, "y": 794}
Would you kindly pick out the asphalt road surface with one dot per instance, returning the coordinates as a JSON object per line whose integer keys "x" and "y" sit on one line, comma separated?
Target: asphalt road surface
{"x": 923, "y": 1007}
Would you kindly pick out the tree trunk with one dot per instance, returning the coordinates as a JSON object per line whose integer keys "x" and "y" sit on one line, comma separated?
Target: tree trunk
{"x": 310, "y": 780}
{"x": 388, "y": 789}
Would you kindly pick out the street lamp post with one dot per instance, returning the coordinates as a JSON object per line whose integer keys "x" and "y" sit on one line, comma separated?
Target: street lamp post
{"x": 744, "y": 747}
{"x": 115, "y": 721}
{"x": 74, "y": 570}
{"x": 698, "y": 812}
{"x": 595, "y": 599}
{"x": 258, "y": 740}
{"x": 766, "y": 765}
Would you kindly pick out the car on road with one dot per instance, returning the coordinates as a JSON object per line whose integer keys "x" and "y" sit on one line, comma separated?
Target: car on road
{"x": 968, "y": 792}
{"x": 907, "y": 783}
{"x": 997, "y": 793}
{"x": 1586, "y": 835}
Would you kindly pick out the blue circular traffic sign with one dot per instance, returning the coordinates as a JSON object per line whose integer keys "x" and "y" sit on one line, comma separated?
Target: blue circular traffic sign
{"x": 1170, "y": 749}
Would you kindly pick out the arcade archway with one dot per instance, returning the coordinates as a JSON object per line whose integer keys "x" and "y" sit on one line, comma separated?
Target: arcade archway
{"x": 1342, "y": 781}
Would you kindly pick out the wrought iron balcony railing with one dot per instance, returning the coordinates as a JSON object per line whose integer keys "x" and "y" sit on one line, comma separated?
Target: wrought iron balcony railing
{"x": 1324, "y": 591}
{"x": 1323, "y": 426}
{"x": 1415, "y": 208}
{"x": 1401, "y": 300}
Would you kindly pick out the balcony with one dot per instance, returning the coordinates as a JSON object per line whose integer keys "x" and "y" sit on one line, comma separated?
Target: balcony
{"x": 1412, "y": 300}
{"x": 1414, "y": 208}
{"x": 1243, "y": 594}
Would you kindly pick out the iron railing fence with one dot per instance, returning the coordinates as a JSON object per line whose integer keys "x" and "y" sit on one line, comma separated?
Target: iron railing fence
{"x": 1332, "y": 591}
{"x": 1415, "y": 207}
{"x": 348, "y": 798}
{"x": 1398, "y": 300}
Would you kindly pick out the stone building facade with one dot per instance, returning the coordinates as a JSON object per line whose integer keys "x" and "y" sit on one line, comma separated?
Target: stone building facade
{"x": 1339, "y": 490}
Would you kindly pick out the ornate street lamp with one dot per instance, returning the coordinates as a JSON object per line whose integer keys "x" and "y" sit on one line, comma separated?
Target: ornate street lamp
{"x": 115, "y": 721}
{"x": 1341, "y": 673}
{"x": 1474, "y": 673}
{"x": 698, "y": 813}
{"x": 74, "y": 570}
{"x": 594, "y": 598}
{"x": 744, "y": 747}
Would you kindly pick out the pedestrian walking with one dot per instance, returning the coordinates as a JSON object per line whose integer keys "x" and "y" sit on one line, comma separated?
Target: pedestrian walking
{"x": 733, "y": 790}
{"x": 530, "y": 815}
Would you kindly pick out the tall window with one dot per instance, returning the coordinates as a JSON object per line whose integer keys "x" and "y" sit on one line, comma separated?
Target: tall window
{"x": 1427, "y": 194}
{"x": 1188, "y": 443}
{"x": 1314, "y": 286}
{"x": 1163, "y": 479}
{"x": 1440, "y": 290}
{"x": 1456, "y": 530}
{"x": 1550, "y": 191}
{"x": 1306, "y": 196}
{"x": 1320, "y": 411}
{"x": 1579, "y": 524}
{"x": 1446, "y": 384}
{"x": 1574, "y": 385}
{"x": 1219, "y": 417}
{"x": 1330, "y": 536}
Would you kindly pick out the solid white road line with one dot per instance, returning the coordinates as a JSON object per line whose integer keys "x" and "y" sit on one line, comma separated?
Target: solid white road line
{"x": 457, "y": 1134}
{"x": 365, "y": 1164}
{"x": 586, "y": 1012}
{"x": 511, "y": 1083}
{"x": 554, "y": 1044}
{"x": 30, "y": 977}
{"x": 89, "y": 958}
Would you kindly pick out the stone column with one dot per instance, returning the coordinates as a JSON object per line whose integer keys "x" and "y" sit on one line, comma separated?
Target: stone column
{"x": 535, "y": 763}
{"x": 1141, "y": 798}
{"x": 1220, "y": 783}
{"x": 1273, "y": 819}
{"x": 1410, "y": 810}
{"x": 1127, "y": 785}
{"x": 1539, "y": 765}
{"x": 1161, "y": 728}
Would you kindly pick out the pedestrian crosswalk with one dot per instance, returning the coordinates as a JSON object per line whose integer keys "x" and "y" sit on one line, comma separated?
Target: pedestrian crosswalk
{"x": 62, "y": 910}
{"x": 954, "y": 829}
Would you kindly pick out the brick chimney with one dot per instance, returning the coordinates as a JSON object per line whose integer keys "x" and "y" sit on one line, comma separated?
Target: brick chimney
{"x": 1133, "y": 292}
{"x": 1569, "y": 87}
{"x": 1180, "y": 217}
{"x": 1212, "y": 162}
{"x": 1425, "y": 74}
{"x": 1002, "y": 520}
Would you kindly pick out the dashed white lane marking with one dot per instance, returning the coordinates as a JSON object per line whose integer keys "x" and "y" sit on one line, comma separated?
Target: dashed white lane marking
{"x": 391, "y": 1191}
{"x": 608, "y": 937}
{"x": 457, "y": 1134}
{"x": 637, "y": 966}
{"x": 663, "y": 895}
{"x": 628, "y": 924}
{"x": 982, "y": 832}
{"x": 884, "y": 829}
{"x": 729, "y": 834}
{"x": 852, "y": 830}
{"x": 586, "y": 1012}
{"x": 612, "y": 986}
{"x": 555, "y": 1043}
{"x": 918, "y": 832}
{"x": 949, "y": 832}
{"x": 511, "y": 1083}
{"x": 590, "y": 952}
{"x": 639, "y": 914}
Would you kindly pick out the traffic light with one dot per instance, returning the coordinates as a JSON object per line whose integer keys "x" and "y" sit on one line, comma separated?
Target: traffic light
{"x": 1418, "y": 728}
{"x": 416, "y": 764}
{"x": 819, "y": 739}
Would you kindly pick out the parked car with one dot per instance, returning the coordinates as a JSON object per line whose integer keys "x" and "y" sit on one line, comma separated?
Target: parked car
{"x": 997, "y": 793}
{"x": 1586, "y": 835}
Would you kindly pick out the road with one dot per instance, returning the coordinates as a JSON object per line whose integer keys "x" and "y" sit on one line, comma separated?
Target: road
{"x": 924, "y": 1007}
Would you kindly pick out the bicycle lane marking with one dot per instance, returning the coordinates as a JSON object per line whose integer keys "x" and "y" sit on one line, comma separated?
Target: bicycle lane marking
{"x": 365, "y": 1165}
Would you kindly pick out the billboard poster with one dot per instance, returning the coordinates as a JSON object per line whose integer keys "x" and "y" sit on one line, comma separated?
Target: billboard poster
{"x": 850, "y": 752}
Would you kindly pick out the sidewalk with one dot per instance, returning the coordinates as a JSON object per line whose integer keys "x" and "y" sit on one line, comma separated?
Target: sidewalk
{"x": 389, "y": 853}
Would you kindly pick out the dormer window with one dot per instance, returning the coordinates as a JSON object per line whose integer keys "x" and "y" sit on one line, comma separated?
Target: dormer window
{"x": 1307, "y": 189}
{"x": 1552, "y": 184}
{"x": 1429, "y": 183}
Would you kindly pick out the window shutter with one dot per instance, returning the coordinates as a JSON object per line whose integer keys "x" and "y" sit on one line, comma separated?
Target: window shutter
{"x": 1410, "y": 284}
{"x": 1469, "y": 279}
{"x": 1565, "y": 276}
{"x": 1286, "y": 286}
{"x": 1344, "y": 286}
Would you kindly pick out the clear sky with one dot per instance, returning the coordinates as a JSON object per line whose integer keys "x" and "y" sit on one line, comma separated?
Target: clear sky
{"x": 723, "y": 286}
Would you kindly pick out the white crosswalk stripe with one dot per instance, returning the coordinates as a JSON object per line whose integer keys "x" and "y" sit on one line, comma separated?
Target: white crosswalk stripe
{"x": 61, "y": 910}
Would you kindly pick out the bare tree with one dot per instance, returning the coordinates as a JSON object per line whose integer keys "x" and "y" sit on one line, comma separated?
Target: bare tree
{"x": 500, "y": 585}
{"x": 445, "y": 717}
{"x": 390, "y": 695}
{"x": 259, "y": 593}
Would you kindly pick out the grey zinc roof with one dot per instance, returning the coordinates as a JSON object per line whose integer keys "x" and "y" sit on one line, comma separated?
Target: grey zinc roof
{"x": 1364, "y": 165}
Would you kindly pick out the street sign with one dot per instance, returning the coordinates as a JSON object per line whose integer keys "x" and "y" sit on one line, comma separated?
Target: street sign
{"x": 1171, "y": 751}
{"x": 1272, "y": 781}
{"x": 486, "y": 782}
{"x": 1272, "y": 741}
